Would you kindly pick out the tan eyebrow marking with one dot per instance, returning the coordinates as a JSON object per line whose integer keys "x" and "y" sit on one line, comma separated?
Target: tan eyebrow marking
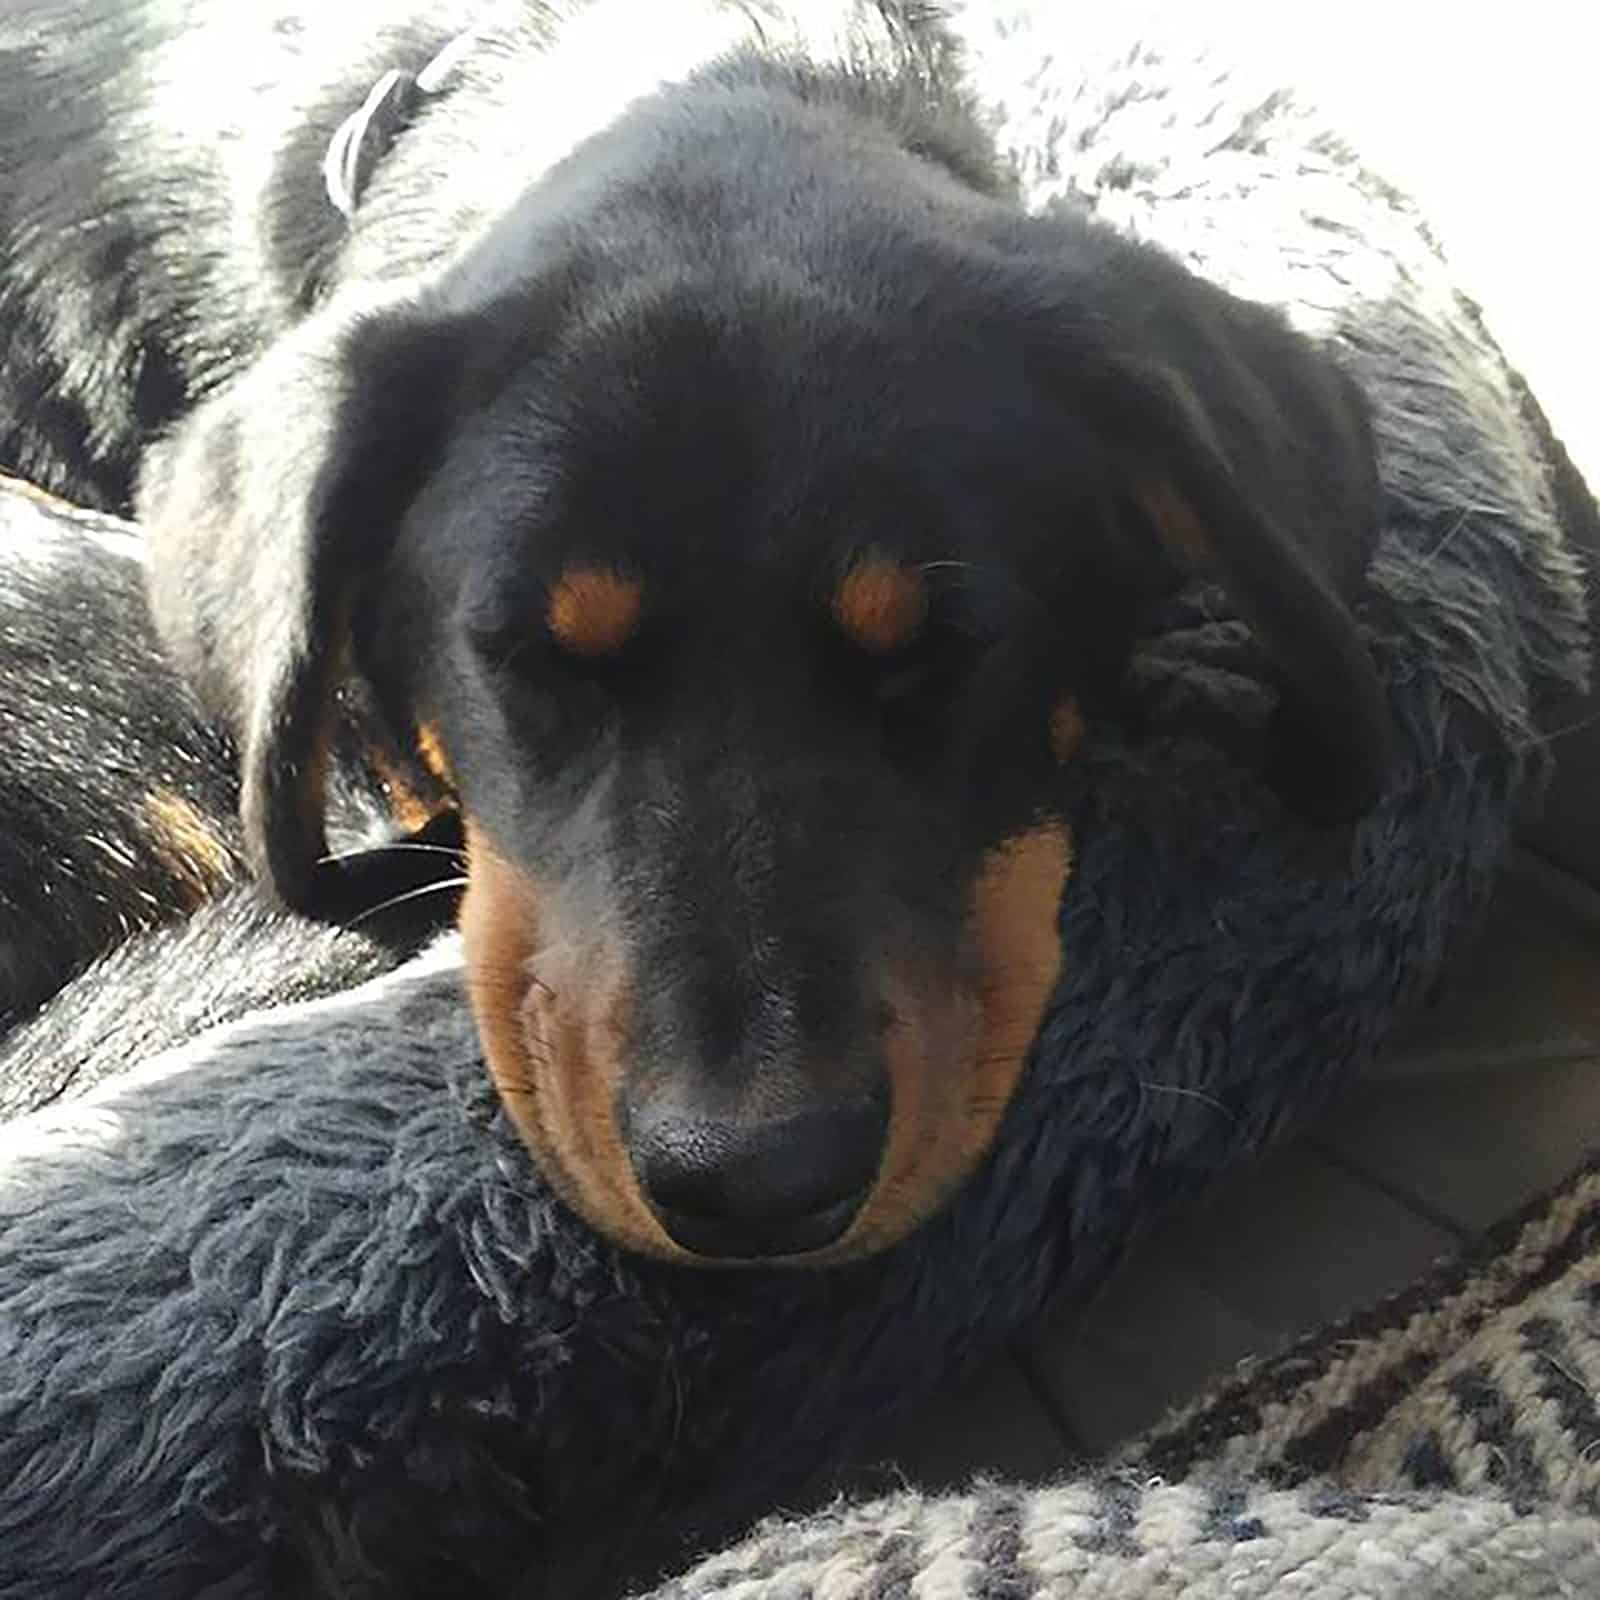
{"x": 593, "y": 611}
{"x": 880, "y": 604}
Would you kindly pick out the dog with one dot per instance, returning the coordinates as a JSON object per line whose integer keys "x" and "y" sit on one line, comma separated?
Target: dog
{"x": 732, "y": 503}
{"x": 121, "y": 796}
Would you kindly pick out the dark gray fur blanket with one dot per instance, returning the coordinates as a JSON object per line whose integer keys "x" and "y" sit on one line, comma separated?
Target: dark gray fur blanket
{"x": 288, "y": 1311}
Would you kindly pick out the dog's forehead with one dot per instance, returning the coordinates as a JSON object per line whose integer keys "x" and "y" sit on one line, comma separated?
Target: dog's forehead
{"x": 673, "y": 453}
{"x": 746, "y": 453}
{"x": 737, "y": 413}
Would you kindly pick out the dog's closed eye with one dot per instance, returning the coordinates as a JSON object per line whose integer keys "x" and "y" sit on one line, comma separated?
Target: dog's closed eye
{"x": 908, "y": 681}
{"x": 916, "y": 696}
{"x": 933, "y": 668}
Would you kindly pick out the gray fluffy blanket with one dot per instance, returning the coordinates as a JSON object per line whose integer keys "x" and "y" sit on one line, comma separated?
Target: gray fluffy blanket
{"x": 288, "y": 1311}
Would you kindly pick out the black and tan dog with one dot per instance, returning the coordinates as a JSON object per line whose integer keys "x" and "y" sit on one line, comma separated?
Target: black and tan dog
{"x": 732, "y": 500}
{"x": 120, "y": 796}
{"x": 117, "y": 795}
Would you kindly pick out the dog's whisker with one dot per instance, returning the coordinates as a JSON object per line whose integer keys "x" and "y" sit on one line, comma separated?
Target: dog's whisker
{"x": 954, "y": 566}
{"x": 1514, "y": 746}
{"x": 1150, "y": 1086}
{"x": 444, "y": 886}
{"x": 1466, "y": 513}
{"x": 336, "y": 856}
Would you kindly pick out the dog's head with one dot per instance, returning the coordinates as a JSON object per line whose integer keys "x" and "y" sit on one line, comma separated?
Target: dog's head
{"x": 743, "y": 529}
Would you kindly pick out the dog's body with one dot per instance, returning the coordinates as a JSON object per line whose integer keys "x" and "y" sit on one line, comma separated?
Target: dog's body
{"x": 120, "y": 796}
{"x": 156, "y": 236}
{"x": 728, "y": 498}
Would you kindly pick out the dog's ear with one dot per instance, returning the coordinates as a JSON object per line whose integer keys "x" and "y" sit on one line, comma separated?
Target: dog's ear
{"x": 263, "y": 511}
{"x": 1248, "y": 457}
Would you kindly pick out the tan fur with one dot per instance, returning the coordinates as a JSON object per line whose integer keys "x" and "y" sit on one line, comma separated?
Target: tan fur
{"x": 553, "y": 1016}
{"x": 553, "y": 1021}
{"x": 880, "y": 604}
{"x": 199, "y": 857}
{"x": 956, "y": 1057}
{"x": 594, "y": 611}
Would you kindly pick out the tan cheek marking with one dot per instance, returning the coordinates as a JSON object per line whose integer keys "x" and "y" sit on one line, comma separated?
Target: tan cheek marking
{"x": 880, "y": 605}
{"x": 1178, "y": 527}
{"x": 929, "y": 1046}
{"x": 593, "y": 611}
{"x": 1067, "y": 729}
{"x": 1015, "y": 910}
{"x": 553, "y": 1032}
{"x": 954, "y": 1058}
{"x": 189, "y": 844}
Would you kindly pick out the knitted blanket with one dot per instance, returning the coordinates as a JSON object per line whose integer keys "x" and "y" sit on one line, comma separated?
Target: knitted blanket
{"x": 1443, "y": 1446}
{"x": 288, "y": 1310}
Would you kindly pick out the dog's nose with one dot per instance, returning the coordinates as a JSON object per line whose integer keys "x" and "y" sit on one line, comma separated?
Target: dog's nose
{"x": 758, "y": 1186}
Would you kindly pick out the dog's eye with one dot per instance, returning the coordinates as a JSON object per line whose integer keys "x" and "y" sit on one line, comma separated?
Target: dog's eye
{"x": 558, "y": 703}
{"x": 563, "y": 725}
{"x": 915, "y": 694}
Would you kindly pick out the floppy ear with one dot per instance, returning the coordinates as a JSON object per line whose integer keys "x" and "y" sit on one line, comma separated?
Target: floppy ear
{"x": 1250, "y": 459}
{"x": 261, "y": 513}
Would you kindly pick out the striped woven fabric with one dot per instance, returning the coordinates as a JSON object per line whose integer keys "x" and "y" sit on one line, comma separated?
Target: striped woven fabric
{"x": 1444, "y": 1444}
{"x": 1481, "y": 1377}
{"x": 1119, "y": 1539}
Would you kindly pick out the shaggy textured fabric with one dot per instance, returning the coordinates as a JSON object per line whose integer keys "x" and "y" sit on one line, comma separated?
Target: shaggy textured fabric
{"x": 290, "y": 1312}
{"x": 1303, "y": 1476}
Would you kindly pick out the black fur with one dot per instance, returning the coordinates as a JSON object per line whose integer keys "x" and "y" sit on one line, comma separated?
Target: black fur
{"x": 775, "y": 315}
{"x": 120, "y": 795}
{"x": 324, "y": 1318}
{"x": 999, "y": 377}
{"x": 105, "y": 751}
